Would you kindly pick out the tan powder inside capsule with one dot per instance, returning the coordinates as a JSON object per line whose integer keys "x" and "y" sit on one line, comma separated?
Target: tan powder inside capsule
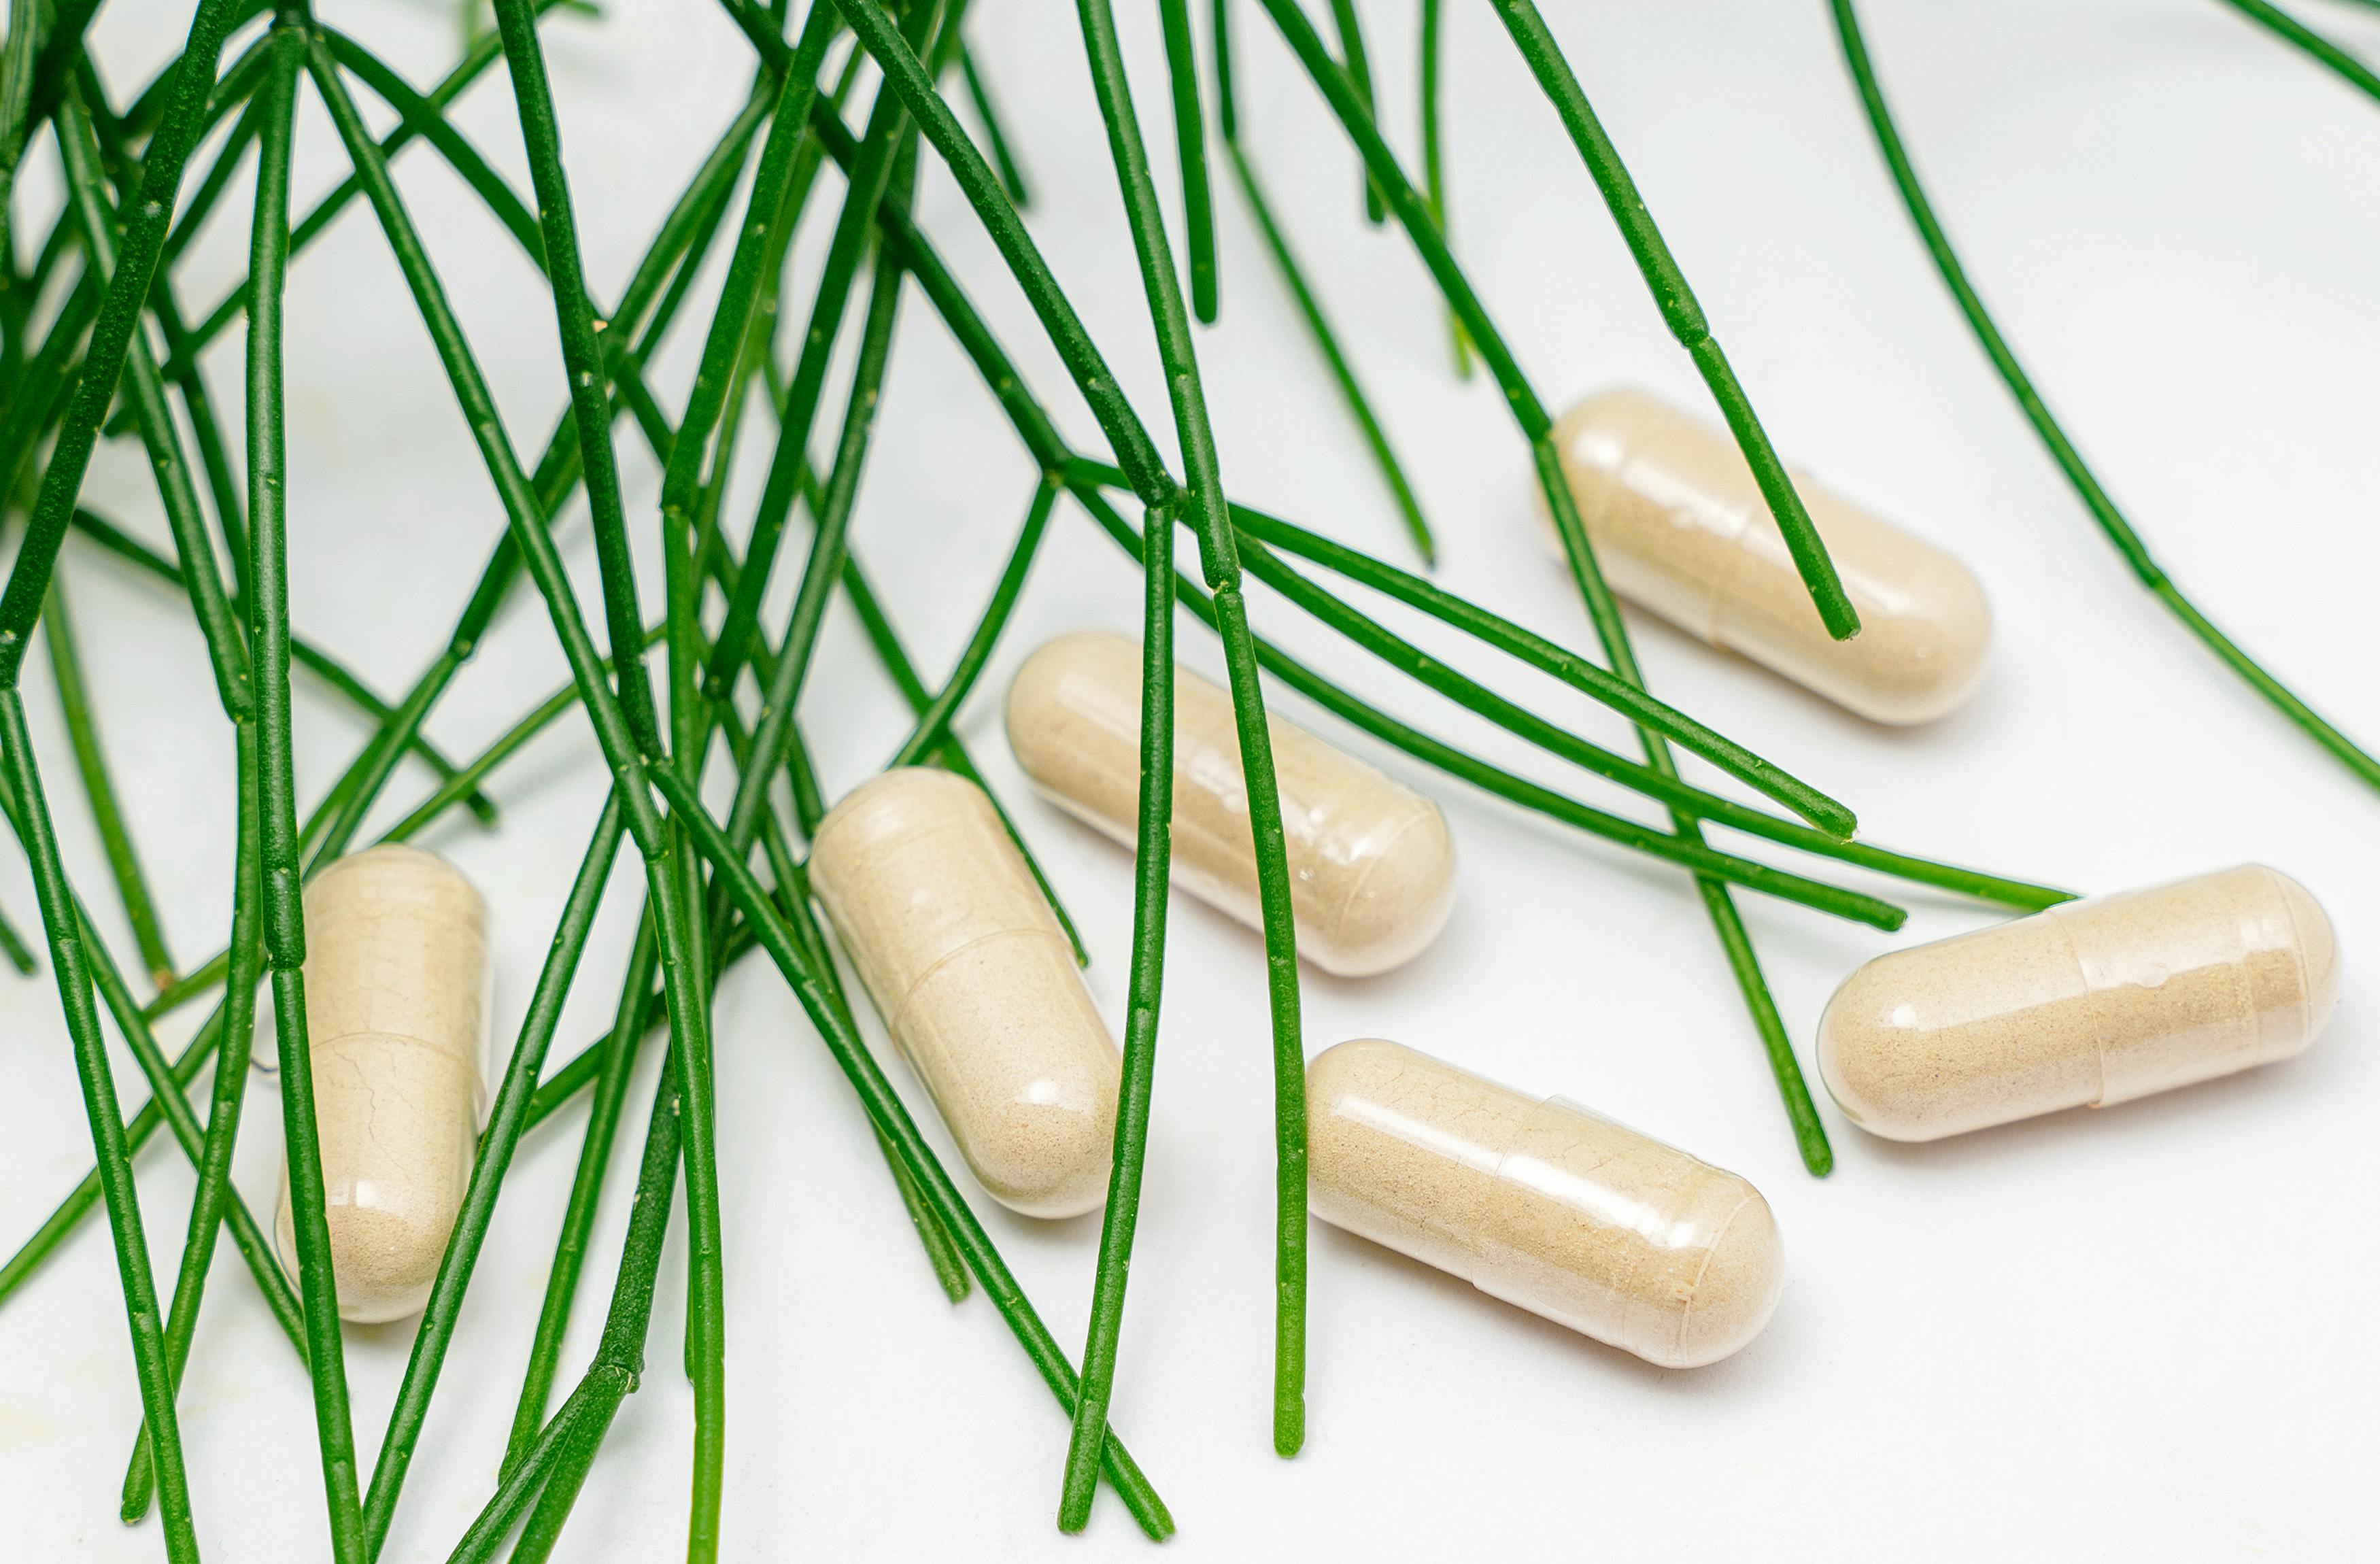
{"x": 1371, "y": 862}
{"x": 976, "y": 984}
{"x": 1541, "y": 1202}
{"x": 2090, "y": 1003}
{"x": 397, "y": 1019}
{"x": 1682, "y": 528}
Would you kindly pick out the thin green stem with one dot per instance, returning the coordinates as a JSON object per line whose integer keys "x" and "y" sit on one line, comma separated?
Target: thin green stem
{"x": 1679, "y": 311}
{"x": 1433, "y": 161}
{"x": 884, "y": 1109}
{"x": 284, "y": 925}
{"x": 1529, "y": 795}
{"x": 616, "y": 1058}
{"x": 2346, "y": 67}
{"x": 505, "y": 1123}
{"x": 214, "y": 1197}
{"x": 1012, "y": 176}
{"x": 68, "y": 959}
{"x": 933, "y": 724}
{"x": 2120, "y": 532}
{"x": 1219, "y": 565}
{"x": 99, "y": 788}
{"x": 1413, "y": 215}
{"x": 1152, "y": 866}
{"x": 1359, "y": 406}
{"x": 1357, "y": 60}
{"x": 1190, "y": 144}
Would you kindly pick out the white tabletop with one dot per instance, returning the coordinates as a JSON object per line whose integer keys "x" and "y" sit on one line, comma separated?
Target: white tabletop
{"x": 2136, "y": 1334}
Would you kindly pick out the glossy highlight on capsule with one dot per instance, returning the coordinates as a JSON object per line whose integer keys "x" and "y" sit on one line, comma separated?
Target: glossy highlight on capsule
{"x": 976, "y": 984}
{"x": 1541, "y": 1202}
{"x": 1371, "y": 862}
{"x": 397, "y": 1021}
{"x": 2088, "y": 1004}
{"x": 1682, "y": 529}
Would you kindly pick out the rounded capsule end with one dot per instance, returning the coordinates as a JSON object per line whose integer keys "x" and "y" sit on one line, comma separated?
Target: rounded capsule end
{"x": 2317, "y": 945}
{"x": 1742, "y": 1278}
{"x": 1049, "y": 1156}
{"x": 1399, "y": 904}
{"x": 1867, "y": 1038}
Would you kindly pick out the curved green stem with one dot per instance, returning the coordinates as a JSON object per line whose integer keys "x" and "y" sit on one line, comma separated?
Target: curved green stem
{"x": 2120, "y": 532}
{"x": 2338, "y": 61}
{"x": 933, "y": 724}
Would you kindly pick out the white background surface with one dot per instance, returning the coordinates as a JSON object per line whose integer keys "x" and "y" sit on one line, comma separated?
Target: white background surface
{"x": 2142, "y": 1334}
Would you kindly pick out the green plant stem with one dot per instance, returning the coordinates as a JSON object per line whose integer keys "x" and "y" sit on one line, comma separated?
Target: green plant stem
{"x": 235, "y": 1021}
{"x": 2128, "y": 542}
{"x": 1414, "y": 217}
{"x": 1152, "y": 866}
{"x": 1218, "y": 562}
{"x": 99, "y": 788}
{"x": 1040, "y": 437}
{"x": 2346, "y": 67}
{"x": 1012, "y": 174}
{"x": 1357, "y": 60}
{"x": 564, "y": 1450}
{"x": 1433, "y": 159}
{"x": 68, "y": 959}
{"x": 12, "y": 945}
{"x": 505, "y": 1123}
{"x": 303, "y": 653}
{"x": 1190, "y": 143}
{"x": 870, "y": 176}
{"x": 1454, "y": 762}
{"x": 884, "y": 1109}
{"x": 284, "y": 926}
{"x": 934, "y": 722}
{"x": 21, "y": 604}
{"x": 1679, "y": 311}
{"x": 953, "y": 755}
{"x": 616, "y": 1059}
{"x": 1310, "y": 307}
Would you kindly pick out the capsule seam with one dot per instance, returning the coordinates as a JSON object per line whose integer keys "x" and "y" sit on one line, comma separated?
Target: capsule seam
{"x": 901, "y": 1007}
{"x": 1686, "y": 1315}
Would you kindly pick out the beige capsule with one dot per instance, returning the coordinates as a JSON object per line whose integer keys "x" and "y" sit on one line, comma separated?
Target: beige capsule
{"x": 397, "y": 1022}
{"x": 1541, "y": 1202}
{"x": 976, "y": 984}
{"x": 1680, "y": 529}
{"x": 2089, "y": 1003}
{"x": 1371, "y": 864}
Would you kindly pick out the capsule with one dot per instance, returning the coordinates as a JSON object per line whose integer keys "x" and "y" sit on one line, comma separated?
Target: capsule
{"x": 1371, "y": 865}
{"x": 1540, "y": 1203}
{"x": 1682, "y": 529}
{"x": 2088, "y": 1003}
{"x": 976, "y": 984}
{"x": 397, "y": 1021}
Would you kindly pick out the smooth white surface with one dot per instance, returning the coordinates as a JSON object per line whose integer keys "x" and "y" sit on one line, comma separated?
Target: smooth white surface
{"x": 2140, "y": 1334}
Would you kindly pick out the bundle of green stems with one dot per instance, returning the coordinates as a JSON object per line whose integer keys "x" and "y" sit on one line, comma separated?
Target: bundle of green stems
{"x": 95, "y": 343}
